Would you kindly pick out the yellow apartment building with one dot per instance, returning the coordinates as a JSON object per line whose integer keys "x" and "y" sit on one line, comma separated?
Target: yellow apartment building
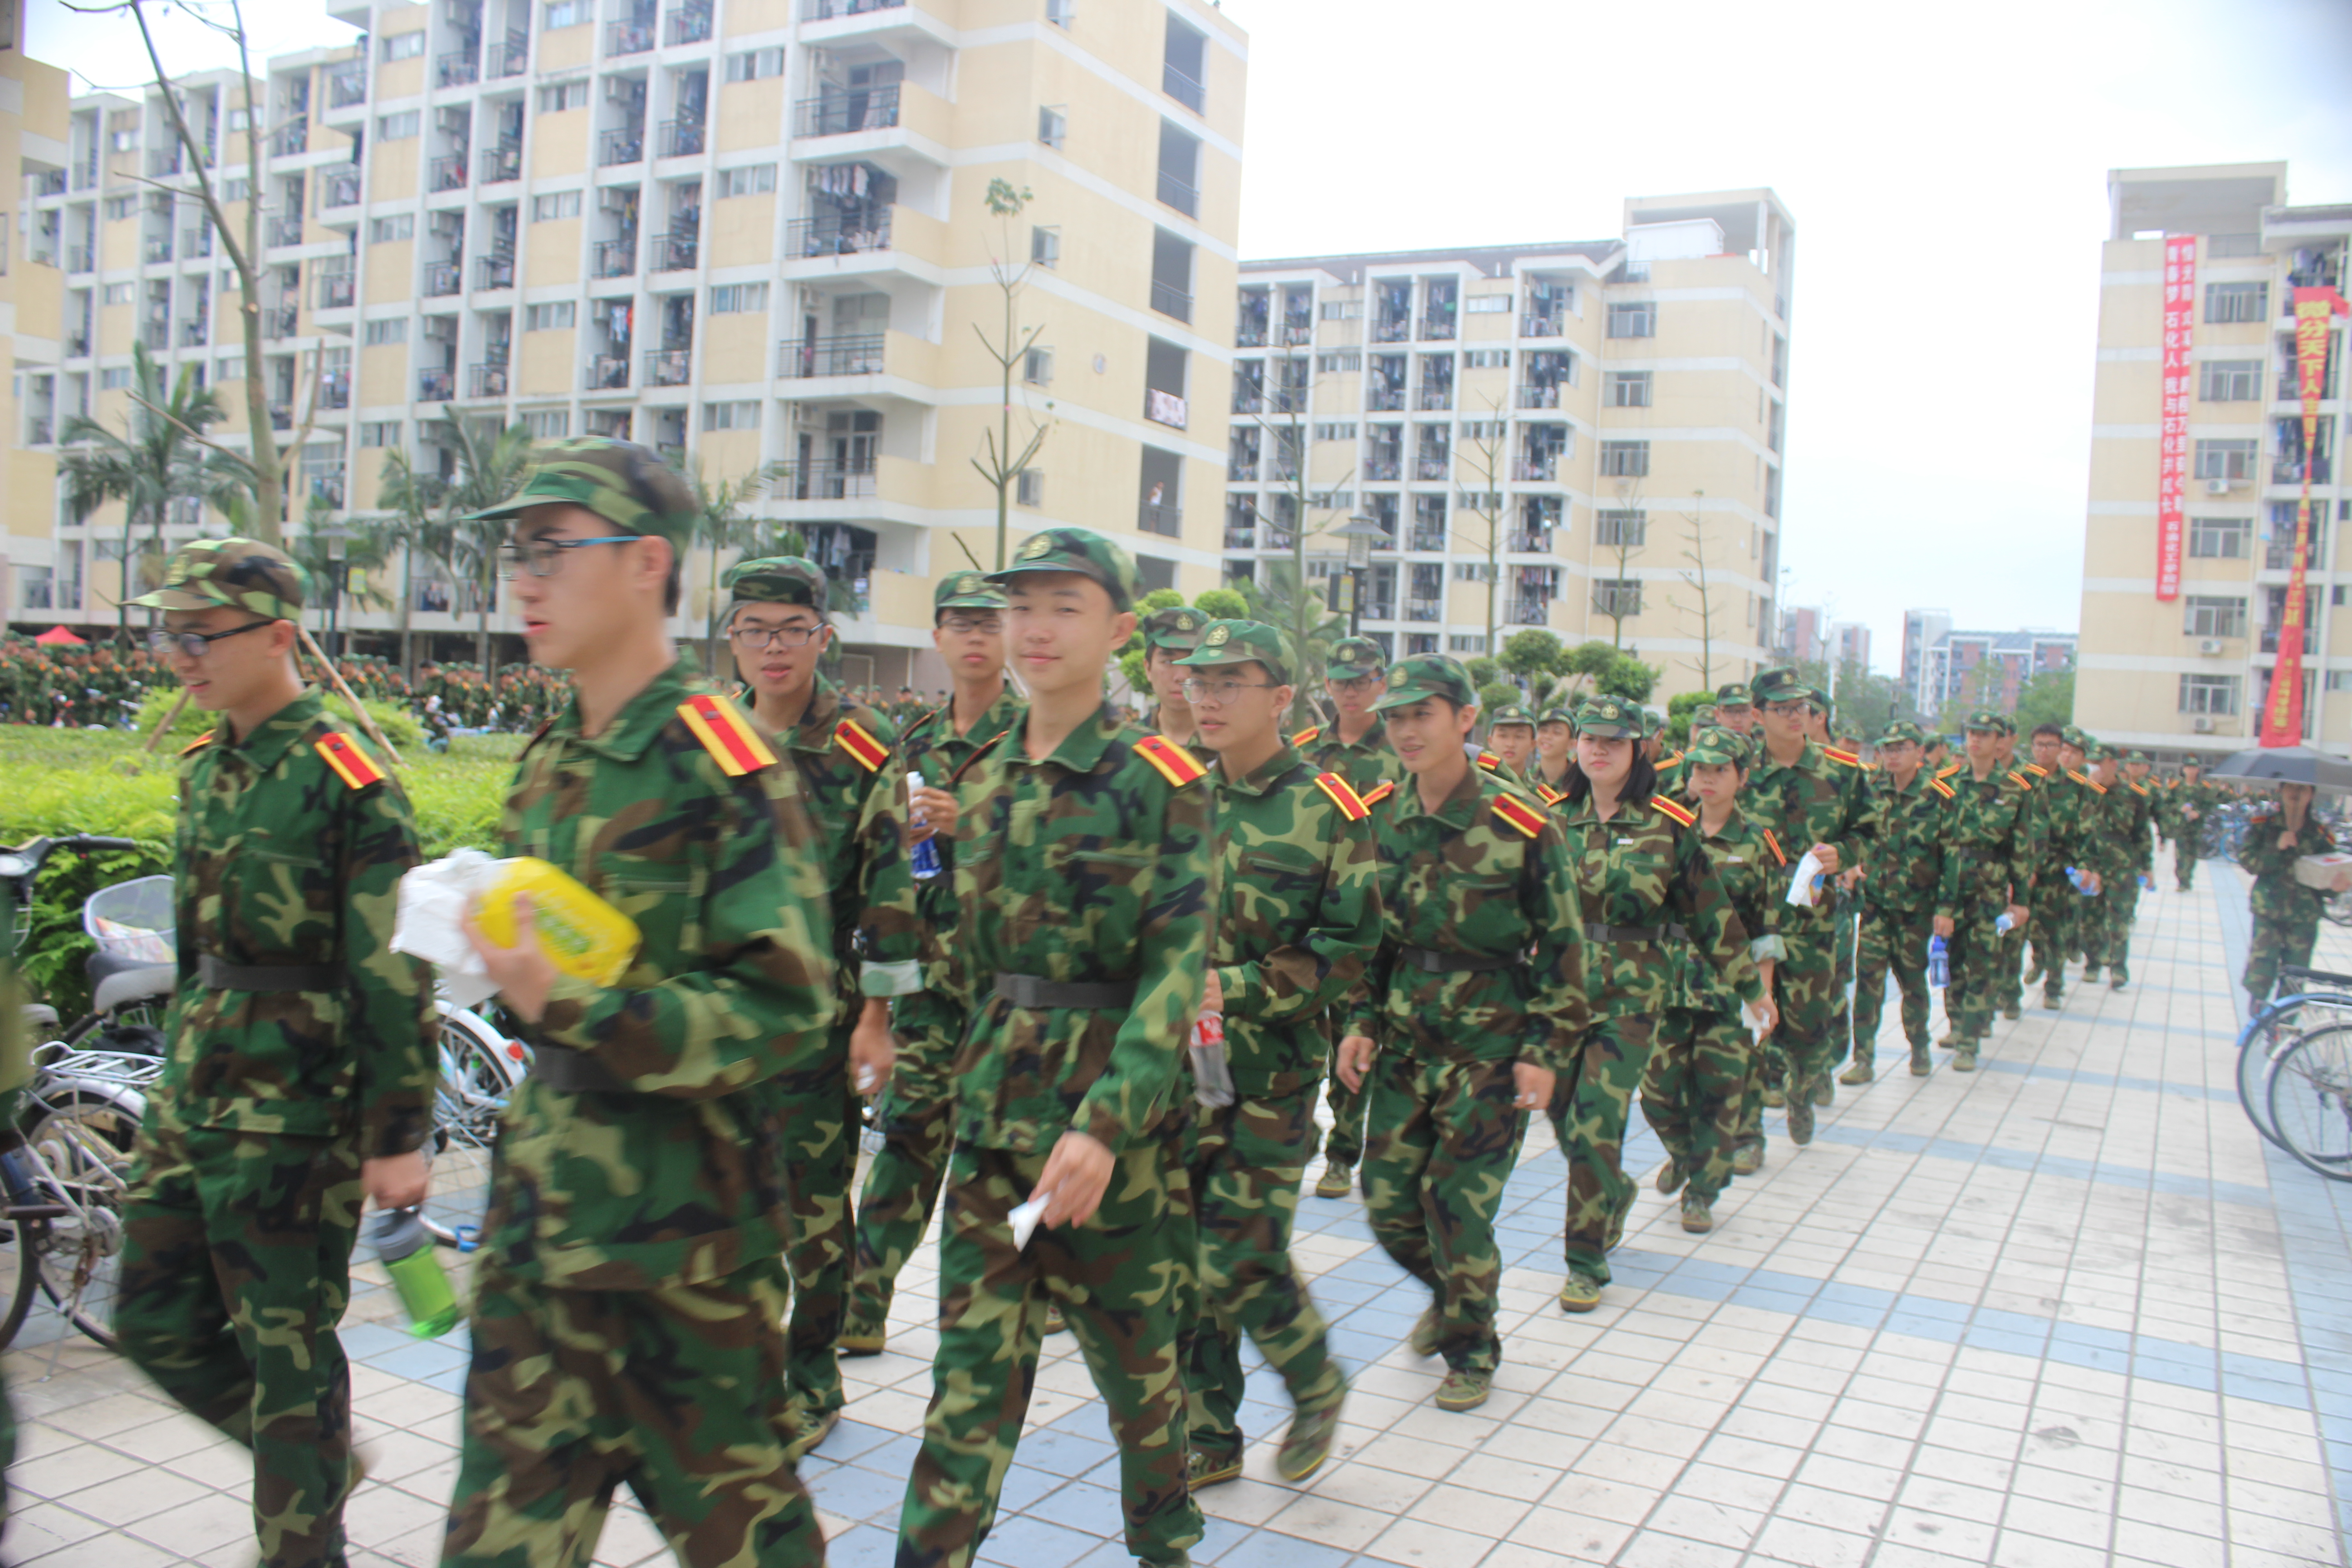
{"x": 33, "y": 144}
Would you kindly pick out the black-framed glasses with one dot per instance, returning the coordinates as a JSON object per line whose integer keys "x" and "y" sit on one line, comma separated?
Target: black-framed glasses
{"x": 757, "y": 637}
{"x": 966, "y": 625}
{"x": 1217, "y": 693}
{"x": 1799, "y": 708}
{"x": 1355, "y": 683}
{"x": 196, "y": 644}
{"x": 542, "y": 557}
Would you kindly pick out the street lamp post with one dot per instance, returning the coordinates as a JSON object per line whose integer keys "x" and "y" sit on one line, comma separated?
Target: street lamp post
{"x": 337, "y": 535}
{"x": 1360, "y": 530}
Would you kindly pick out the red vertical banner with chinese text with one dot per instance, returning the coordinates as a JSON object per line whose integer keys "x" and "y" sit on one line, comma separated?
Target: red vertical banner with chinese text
{"x": 2180, "y": 387}
{"x": 2315, "y": 311}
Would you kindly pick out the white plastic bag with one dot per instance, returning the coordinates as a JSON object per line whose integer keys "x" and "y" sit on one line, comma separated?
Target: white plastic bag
{"x": 1024, "y": 1218}
{"x": 430, "y": 921}
{"x": 1752, "y": 1016}
{"x": 1801, "y": 886}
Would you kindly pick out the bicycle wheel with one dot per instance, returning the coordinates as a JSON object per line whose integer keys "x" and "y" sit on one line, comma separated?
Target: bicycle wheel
{"x": 2311, "y": 1102}
{"x": 79, "y": 1146}
{"x": 2266, "y": 1037}
{"x": 479, "y": 1071}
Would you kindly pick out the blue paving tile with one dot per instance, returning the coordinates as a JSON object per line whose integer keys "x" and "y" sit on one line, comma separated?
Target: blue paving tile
{"x": 1266, "y": 1550}
{"x": 895, "y": 1457}
{"x": 1022, "y": 1541}
{"x": 1853, "y": 1313}
{"x": 2178, "y": 1374}
{"x": 1922, "y": 1326}
{"x": 862, "y": 1547}
{"x": 854, "y": 1493}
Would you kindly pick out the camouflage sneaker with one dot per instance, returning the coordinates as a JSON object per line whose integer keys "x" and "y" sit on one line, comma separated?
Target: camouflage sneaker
{"x": 1825, "y": 1091}
{"x": 861, "y": 1339}
{"x": 1338, "y": 1179}
{"x": 1309, "y": 1442}
{"x": 1216, "y": 1470}
{"x": 1965, "y": 1058}
{"x": 1801, "y": 1122}
{"x": 810, "y": 1434}
{"x": 1748, "y": 1158}
{"x": 1423, "y": 1341}
{"x": 2012, "y": 1011}
{"x": 1670, "y": 1178}
{"x": 1921, "y": 1065}
{"x": 1774, "y": 1100}
{"x": 2054, "y": 1001}
{"x": 1698, "y": 1215}
{"x": 1864, "y": 1070}
{"x": 2034, "y": 973}
{"x": 2091, "y": 973}
{"x": 2119, "y": 981}
{"x": 1054, "y": 1325}
{"x": 1465, "y": 1390}
{"x": 1580, "y": 1294}
{"x": 1951, "y": 1041}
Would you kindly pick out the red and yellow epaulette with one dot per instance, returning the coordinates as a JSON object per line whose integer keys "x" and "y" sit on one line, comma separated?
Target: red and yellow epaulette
{"x": 1174, "y": 762}
{"x": 2136, "y": 788}
{"x": 1666, "y": 763}
{"x": 1549, "y": 796}
{"x": 978, "y": 752}
{"x": 198, "y": 744}
{"x": 1519, "y": 815}
{"x": 350, "y": 764}
{"x": 1848, "y": 758}
{"x": 2037, "y": 770}
{"x": 1309, "y": 736}
{"x": 1490, "y": 760}
{"x": 1380, "y": 792}
{"x": 1673, "y": 811}
{"x": 2020, "y": 780}
{"x": 1774, "y": 845}
{"x": 1343, "y": 795}
{"x": 2087, "y": 781}
{"x": 859, "y": 743}
{"x": 1940, "y": 787}
{"x": 726, "y": 734}
{"x": 1945, "y": 773}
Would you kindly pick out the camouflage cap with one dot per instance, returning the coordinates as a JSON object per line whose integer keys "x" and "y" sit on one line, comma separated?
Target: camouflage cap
{"x": 1425, "y": 676}
{"x": 2197, "y": 762}
{"x": 1715, "y": 746}
{"x": 1733, "y": 694}
{"x": 775, "y": 580}
{"x": 1991, "y": 718}
{"x": 243, "y": 574}
{"x": 1178, "y": 629}
{"x": 1241, "y": 642}
{"x": 1082, "y": 551}
{"x": 1510, "y": 714}
{"x": 1352, "y": 658}
{"x": 1556, "y": 716}
{"x": 2100, "y": 751}
{"x": 966, "y": 590}
{"x": 626, "y": 484}
{"x": 1900, "y": 730}
{"x": 2075, "y": 736}
{"x": 1610, "y": 717}
{"x": 1652, "y": 723}
{"x": 1705, "y": 714}
{"x": 2137, "y": 755}
{"x": 1781, "y": 685}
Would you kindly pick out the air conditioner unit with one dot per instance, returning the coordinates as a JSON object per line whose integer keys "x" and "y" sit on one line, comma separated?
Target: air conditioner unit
{"x": 616, "y": 199}
{"x": 2202, "y": 723}
{"x": 449, "y": 222}
{"x": 454, "y": 120}
{"x": 461, "y": 14}
{"x": 622, "y": 90}
{"x": 2217, "y": 487}
{"x": 2210, "y": 646}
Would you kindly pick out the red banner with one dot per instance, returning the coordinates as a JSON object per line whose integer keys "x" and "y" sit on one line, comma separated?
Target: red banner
{"x": 2315, "y": 311}
{"x": 2179, "y": 382}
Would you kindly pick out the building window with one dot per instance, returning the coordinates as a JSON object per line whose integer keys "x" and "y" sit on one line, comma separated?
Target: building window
{"x": 1616, "y": 596}
{"x": 1029, "y": 486}
{"x": 548, "y": 424}
{"x": 404, "y": 46}
{"x": 392, "y": 329}
{"x": 2231, "y": 460}
{"x": 566, "y": 14}
{"x": 1343, "y": 310}
{"x": 1335, "y": 432}
{"x": 1629, "y": 389}
{"x": 1062, "y": 12}
{"x": 1637, "y": 320}
{"x": 742, "y": 416}
{"x": 1487, "y": 359}
{"x": 2213, "y": 694}
{"x": 2221, "y": 538}
{"x": 753, "y": 64}
{"x": 1624, "y": 459}
{"x": 120, "y": 207}
{"x": 1044, "y": 246}
{"x": 1486, "y": 305}
{"x": 1037, "y": 367}
{"x": 1471, "y": 643}
{"x": 752, "y": 180}
{"x": 120, "y": 293}
{"x": 739, "y": 299}
{"x": 1471, "y": 571}
{"x": 2215, "y": 617}
{"x": 2237, "y": 303}
{"x": 2339, "y": 680}
{"x": 1052, "y": 127}
{"x": 114, "y": 378}
{"x": 401, "y": 126}
{"x": 1620, "y": 530}
{"x": 1330, "y": 501}
{"x": 1350, "y": 362}
{"x": 555, "y": 205}
{"x": 551, "y": 318}
{"x": 1482, "y": 429}
{"x": 380, "y": 433}
{"x": 2230, "y": 380}
{"x": 557, "y": 97}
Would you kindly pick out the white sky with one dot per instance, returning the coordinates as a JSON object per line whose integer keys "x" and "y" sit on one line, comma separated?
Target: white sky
{"x": 1946, "y": 169}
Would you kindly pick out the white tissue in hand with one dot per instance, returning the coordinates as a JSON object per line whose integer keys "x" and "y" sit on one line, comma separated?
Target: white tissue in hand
{"x": 1801, "y": 886}
{"x": 1752, "y": 1016}
{"x": 430, "y": 921}
{"x": 1024, "y": 1218}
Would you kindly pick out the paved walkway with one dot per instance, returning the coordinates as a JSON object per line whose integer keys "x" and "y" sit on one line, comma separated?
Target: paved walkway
{"x": 2069, "y": 1310}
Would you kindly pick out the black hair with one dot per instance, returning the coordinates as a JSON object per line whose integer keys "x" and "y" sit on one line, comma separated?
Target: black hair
{"x": 1641, "y": 780}
{"x": 2053, "y": 730}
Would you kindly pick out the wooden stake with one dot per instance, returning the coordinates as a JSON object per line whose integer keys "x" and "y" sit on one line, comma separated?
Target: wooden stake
{"x": 170, "y": 719}
{"x": 334, "y": 676}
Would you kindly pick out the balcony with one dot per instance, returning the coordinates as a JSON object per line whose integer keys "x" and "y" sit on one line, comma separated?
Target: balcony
{"x": 1248, "y": 399}
{"x": 831, "y": 237}
{"x": 282, "y": 230}
{"x": 498, "y": 165}
{"x": 449, "y": 172}
{"x": 825, "y": 480}
{"x": 1538, "y": 470}
{"x": 672, "y": 253}
{"x": 1392, "y": 329}
{"x": 1156, "y": 519}
{"x": 669, "y": 367}
{"x": 623, "y": 146}
{"x": 842, "y": 113}
{"x": 1241, "y": 536}
{"x": 1298, "y": 334}
{"x": 338, "y": 188}
{"x": 279, "y": 321}
{"x": 282, "y": 414}
{"x": 616, "y": 258}
{"x": 442, "y": 278}
{"x": 512, "y": 58}
{"x": 627, "y": 38}
{"x": 195, "y": 334}
{"x": 195, "y": 242}
{"x": 80, "y": 258}
{"x": 1382, "y": 470}
{"x": 1424, "y": 610}
{"x": 1385, "y": 400}
{"x": 1176, "y": 193}
{"x": 337, "y": 291}
{"x": 1240, "y": 468}
{"x": 1434, "y": 399}
{"x": 1427, "y": 536}
{"x": 1437, "y": 329}
{"x": 293, "y": 139}
{"x": 158, "y": 247}
{"x": 831, "y": 10}
{"x": 39, "y": 432}
{"x": 85, "y": 178}
{"x": 1537, "y": 397}
{"x": 682, "y": 139}
{"x": 328, "y": 487}
{"x": 1181, "y": 87}
{"x": 1281, "y": 469}
{"x": 688, "y": 25}
{"x": 1165, "y": 409}
{"x": 435, "y": 385}
{"x": 1378, "y": 606}
{"x": 1250, "y": 335}
{"x": 459, "y": 69}
{"x": 1286, "y": 400}
{"x": 346, "y": 88}
{"x": 2289, "y": 470}
{"x": 1430, "y": 470}
{"x": 486, "y": 380}
{"x": 1548, "y": 325}
{"x": 1538, "y": 542}
{"x": 49, "y": 182}
{"x": 2270, "y": 638}
{"x": 494, "y": 273}
{"x": 608, "y": 372}
{"x": 1527, "y": 612}
{"x": 335, "y": 389}
{"x": 810, "y": 358}
{"x": 78, "y": 345}
{"x": 163, "y": 162}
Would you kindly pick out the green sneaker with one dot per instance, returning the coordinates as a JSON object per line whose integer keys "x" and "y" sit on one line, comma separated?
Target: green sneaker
{"x": 861, "y": 1339}
{"x": 1801, "y": 1121}
{"x": 1670, "y": 1178}
{"x": 810, "y": 1434}
{"x": 1465, "y": 1390}
{"x": 1921, "y": 1065}
{"x": 2119, "y": 981}
{"x": 1423, "y": 1341}
{"x": 1698, "y": 1215}
{"x": 1309, "y": 1442}
{"x": 1580, "y": 1294}
{"x": 1216, "y": 1470}
{"x": 1748, "y": 1158}
{"x": 1338, "y": 1179}
{"x": 1054, "y": 1322}
{"x": 1965, "y": 1058}
{"x": 1775, "y": 1098}
{"x": 2012, "y": 1011}
{"x": 1864, "y": 1070}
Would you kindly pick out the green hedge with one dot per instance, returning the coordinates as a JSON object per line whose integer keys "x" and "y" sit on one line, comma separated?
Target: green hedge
{"x": 399, "y": 726}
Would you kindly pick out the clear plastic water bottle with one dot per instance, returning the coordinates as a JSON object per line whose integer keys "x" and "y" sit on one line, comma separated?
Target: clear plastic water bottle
{"x": 1939, "y": 963}
{"x": 2002, "y": 927}
{"x": 2080, "y": 878}
{"x": 926, "y": 851}
{"x": 401, "y": 1239}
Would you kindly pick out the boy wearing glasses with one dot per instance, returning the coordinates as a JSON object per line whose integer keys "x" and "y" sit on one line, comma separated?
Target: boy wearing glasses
{"x": 631, "y": 1288}
{"x": 1168, "y": 635}
{"x": 1296, "y": 917}
{"x": 902, "y": 1184}
{"x": 301, "y": 1066}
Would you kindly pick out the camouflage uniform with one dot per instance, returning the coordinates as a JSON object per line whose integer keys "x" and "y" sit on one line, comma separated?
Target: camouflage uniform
{"x": 2286, "y": 913}
{"x": 2065, "y": 829}
{"x": 1081, "y": 895}
{"x": 626, "y": 1321}
{"x": 1898, "y": 905}
{"x": 1297, "y": 915}
{"x": 1481, "y": 964}
{"x": 1647, "y": 895}
{"x": 1989, "y": 847}
{"x": 300, "y": 1046}
{"x": 2182, "y": 816}
{"x": 2127, "y": 853}
{"x": 1177, "y": 631}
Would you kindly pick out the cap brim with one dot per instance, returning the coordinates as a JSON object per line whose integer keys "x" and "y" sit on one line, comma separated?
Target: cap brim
{"x": 176, "y": 599}
{"x": 1707, "y": 758}
{"x": 1611, "y": 730}
{"x": 1405, "y": 697}
{"x": 1205, "y": 657}
{"x": 971, "y": 602}
{"x": 1349, "y": 671}
{"x": 1118, "y": 595}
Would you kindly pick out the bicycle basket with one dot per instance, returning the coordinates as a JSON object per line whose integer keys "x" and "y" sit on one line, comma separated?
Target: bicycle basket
{"x": 132, "y": 919}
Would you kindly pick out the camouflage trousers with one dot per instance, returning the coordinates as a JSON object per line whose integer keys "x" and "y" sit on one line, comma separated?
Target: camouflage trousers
{"x": 1345, "y": 1144}
{"x": 1120, "y": 1280}
{"x": 2008, "y": 968}
{"x": 2184, "y": 855}
{"x": 1246, "y": 1163}
{"x": 1892, "y": 940}
{"x": 2276, "y": 944}
{"x": 2107, "y": 925}
{"x": 1980, "y": 960}
{"x": 902, "y": 1188}
{"x": 1842, "y": 1035}
{"x": 1445, "y": 1137}
{"x": 236, "y": 1250}
{"x": 1591, "y": 1104}
{"x": 678, "y": 1391}
{"x": 1805, "y": 988}
{"x": 821, "y": 1118}
{"x": 1694, "y": 1089}
{"x": 2054, "y": 929}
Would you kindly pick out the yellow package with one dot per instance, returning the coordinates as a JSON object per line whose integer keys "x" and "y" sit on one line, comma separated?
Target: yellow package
{"x": 586, "y": 937}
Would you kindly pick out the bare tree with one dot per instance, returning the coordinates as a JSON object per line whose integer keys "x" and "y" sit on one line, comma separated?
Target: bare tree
{"x": 1284, "y": 424}
{"x": 1617, "y": 606}
{"x": 1487, "y": 456}
{"x": 1004, "y": 467}
{"x": 1695, "y": 551}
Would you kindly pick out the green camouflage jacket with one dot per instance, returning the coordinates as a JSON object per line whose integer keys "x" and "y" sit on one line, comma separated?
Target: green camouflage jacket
{"x": 1646, "y": 870}
{"x": 290, "y": 850}
{"x": 843, "y": 753}
{"x": 1483, "y": 877}
{"x": 1988, "y": 844}
{"x": 1298, "y": 917}
{"x": 1907, "y": 866}
{"x": 1821, "y": 798}
{"x": 2276, "y": 894}
{"x": 2131, "y": 813}
{"x": 1755, "y": 883}
{"x": 1091, "y": 866}
{"x": 2078, "y": 824}
{"x": 1366, "y": 765}
{"x": 677, "y": 1176}
{"x": 1197, "y": 751}
{"x": 2182, "y": 808}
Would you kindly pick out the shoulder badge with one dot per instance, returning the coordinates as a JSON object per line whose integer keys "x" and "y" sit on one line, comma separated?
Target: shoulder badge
{"x": 977, "y": 753}
{"x": 1950, "y": 769}
{"x": 726, "y": 734}
{"x": 2020, "y": 780}
{"x": 2138, "y": 789}
{"x": 2087, "y": 781}
{"x": 1519, "y": 815}
{"x": 350, "y": 764}
{"x": 1351, "y": 804}
{"x": 1774, "y": 845}
{"x": 859, "y": 743}
{"x": 1490, "y": 760}
{"x": 1674, "y": 810}
{"x": 1309, "y": 736}
{"x": 1380, "y": 792}
{"x": 2037, "y": 770}
{"x": 198, "y": 744}
{"x": 1940, "y": 787}
{"x": 1549, "y": 796}
{"x": 1175, "y": 763}
{"x": 1848, "y": 758}
{"x": 1666, "y": 763}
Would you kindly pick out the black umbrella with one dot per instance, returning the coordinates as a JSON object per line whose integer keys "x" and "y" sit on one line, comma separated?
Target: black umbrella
{"x": 2289, "y": 765}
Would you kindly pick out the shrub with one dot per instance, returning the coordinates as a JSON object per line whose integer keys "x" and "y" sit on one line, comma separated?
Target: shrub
{"x": 399, "y": 726}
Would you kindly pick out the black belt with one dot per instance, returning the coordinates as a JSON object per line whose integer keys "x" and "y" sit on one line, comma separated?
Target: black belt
{"x": 215, "y": 974}
{"x": 1036, "y": 991}
{"x": 573, "y": 1072}
{"x": 1628, "y": 936}
{"x": 1437, "y": 963}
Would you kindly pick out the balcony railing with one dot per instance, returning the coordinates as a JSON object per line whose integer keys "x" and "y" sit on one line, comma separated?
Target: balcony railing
{"x": 1392, "y": 329}
{"x": 1528, "y": 612}
{"x": 616, "y": 258}
{"x": 494, "y": 273}
{"x": 195, "y": 334}
{"x": 1241, "y": 536}
{"x": 78, "y": 345}
{"x": 80, "y": 258}
{"x": 498, "y": 165}
{"x": 1171, "y": 301}
{"x": 158, "y": 247}
{"x": 338, "y": 188}
{"x": 279, "y": 321}
{"x": 444, "y": 277}
{"x": 163, "y": 162}
{"x": 1176, "y": 193}
{"x": 1423, "y": 609}
{"x": 1165, "y": 409}
{"x": 1286, "y": 400}
{"x": 832, "y": 237}
{"x": 1248, "y": 399}
{"x": 1240, "y": 470}
{"x": 608, "y": 372}
{"x": 283, "y": 230}
{"x": 1437, "y": 329}
{"x": 825, "y": 480}
{"x": 49, "y": 182}
{"x": 628, "y": 38}
{"x": 1537, "y": 398}
{"x": 1382, "y": 470}
{"x": 486, "y": 381}
{"x": 449, "y": 172}
{"x": 1432, "y": 398}
{"x": 462, "y": 69}
{"x": 827, "y": 10}
{"x": 1385, "y": 400}
{"x": 1379, "y": 608}
{"x": 682, "y": 138}
{"x": 669, "y": 367}
{"x": 196, "y": 242}
{"x": 841, "y": 113}
{"x": 1298, "y": 334}
{"x": 85, "y": 176}
{"x": 328, "y": 487}
{"x": 291, "y": 139}
{"x": 2270, "y": 638}
{"x": 335, "y": 389}
{"x": 2278, "y": 556}
{"x": 625, "y": 146}
{"x": 1153, "y": 518}
{"x": 1250, "y": 335}
{"x": 1177, "y": 85}
{"x": 860, "y": 355}
{"x": 1426, "y": 536}
{"x": 1427, "y": 468}
{"x": 2289, "y": 470}
{"x": 1543, "y": 470}
{"x": 1537, "y": 541}
{"x": 282, "y": 414}
{"x": 346, "y": 88}
{"x": 672, "y": 253}
{"x": 435, "y": 385}
{"x": 1548, "y": 325}
{"x": 337, "y": 290}
{"x": 688, "y": 25}
{"x": 40, "y": 431}
{"x": 512, "y": 58}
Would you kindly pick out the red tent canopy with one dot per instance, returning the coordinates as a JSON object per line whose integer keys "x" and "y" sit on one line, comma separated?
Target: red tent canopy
{"x": 57, "y": 636}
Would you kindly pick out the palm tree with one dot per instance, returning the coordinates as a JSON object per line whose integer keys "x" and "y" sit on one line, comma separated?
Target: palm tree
{"x": 345, "y": 567}
{"x": 435, "y": 516}
{"x": 162, "y": 457}
{"x": 720, "y": 524}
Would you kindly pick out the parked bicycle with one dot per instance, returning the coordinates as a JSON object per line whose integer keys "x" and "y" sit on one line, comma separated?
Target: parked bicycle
{"x": 2295, "y": 1070}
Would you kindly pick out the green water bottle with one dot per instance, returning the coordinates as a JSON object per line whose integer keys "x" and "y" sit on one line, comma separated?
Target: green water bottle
{"x": 401, "y": 1239}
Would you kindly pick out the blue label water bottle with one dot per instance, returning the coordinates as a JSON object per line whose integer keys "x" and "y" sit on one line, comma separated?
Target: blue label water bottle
{"x": 1939, "y": 963}
{"x": 926, "y": 851}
